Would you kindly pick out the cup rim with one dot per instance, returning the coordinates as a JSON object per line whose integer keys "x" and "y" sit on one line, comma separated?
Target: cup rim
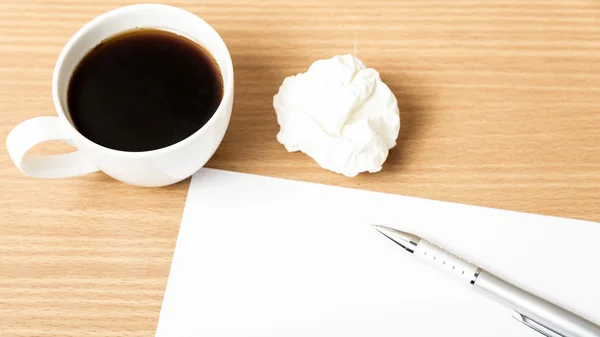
{"x": 227, "y": 83}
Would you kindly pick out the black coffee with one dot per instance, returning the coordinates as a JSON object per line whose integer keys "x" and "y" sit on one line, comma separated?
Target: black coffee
{"x": 144, "y": 90}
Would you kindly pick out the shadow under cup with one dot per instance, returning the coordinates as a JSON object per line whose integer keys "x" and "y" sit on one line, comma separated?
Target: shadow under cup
{"x": 130, "y": 19}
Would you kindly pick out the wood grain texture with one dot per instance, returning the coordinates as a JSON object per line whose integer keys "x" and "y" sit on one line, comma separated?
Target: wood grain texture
{"x": 500, "y": 107}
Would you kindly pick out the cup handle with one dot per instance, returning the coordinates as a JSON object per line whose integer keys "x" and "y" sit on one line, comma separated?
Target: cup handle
{"x": 38, "y": 130}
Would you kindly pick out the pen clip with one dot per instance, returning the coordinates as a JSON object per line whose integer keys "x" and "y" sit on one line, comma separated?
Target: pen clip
{"x": 535, "y": 325}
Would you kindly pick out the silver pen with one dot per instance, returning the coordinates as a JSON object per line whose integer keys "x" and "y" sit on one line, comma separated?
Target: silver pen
{"x": 533, "y": 311}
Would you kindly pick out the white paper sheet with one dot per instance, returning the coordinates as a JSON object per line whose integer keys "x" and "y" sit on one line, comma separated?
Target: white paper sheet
{"x": 266, "y": 257}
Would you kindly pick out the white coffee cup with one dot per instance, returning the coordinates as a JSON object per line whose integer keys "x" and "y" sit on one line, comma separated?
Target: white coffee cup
{"x": 154, "y": 168}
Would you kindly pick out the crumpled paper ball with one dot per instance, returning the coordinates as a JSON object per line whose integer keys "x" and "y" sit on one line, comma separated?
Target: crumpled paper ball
{"x": 340, "y": 113}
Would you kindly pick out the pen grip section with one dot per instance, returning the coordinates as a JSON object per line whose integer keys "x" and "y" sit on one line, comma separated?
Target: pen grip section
{"x": 461, "y": 270}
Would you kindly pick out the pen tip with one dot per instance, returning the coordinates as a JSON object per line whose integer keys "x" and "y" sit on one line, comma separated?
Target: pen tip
{"x": 378, "y": 227}
{"x": 405, "y": 240}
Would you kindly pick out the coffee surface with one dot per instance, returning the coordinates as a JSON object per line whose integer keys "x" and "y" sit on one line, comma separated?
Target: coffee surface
{"x": 144, "y": 90}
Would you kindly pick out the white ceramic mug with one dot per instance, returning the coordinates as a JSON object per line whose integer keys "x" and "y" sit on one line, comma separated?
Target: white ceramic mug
{"x": 159, "y": 167}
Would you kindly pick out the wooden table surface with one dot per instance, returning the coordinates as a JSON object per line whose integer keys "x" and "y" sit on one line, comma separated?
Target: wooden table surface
{"x": 500, "y": 107}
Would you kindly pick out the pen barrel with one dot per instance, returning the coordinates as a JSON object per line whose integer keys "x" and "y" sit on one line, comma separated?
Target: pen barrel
{"x": 549, "y": 315}
{"x": 459, "y": 269}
